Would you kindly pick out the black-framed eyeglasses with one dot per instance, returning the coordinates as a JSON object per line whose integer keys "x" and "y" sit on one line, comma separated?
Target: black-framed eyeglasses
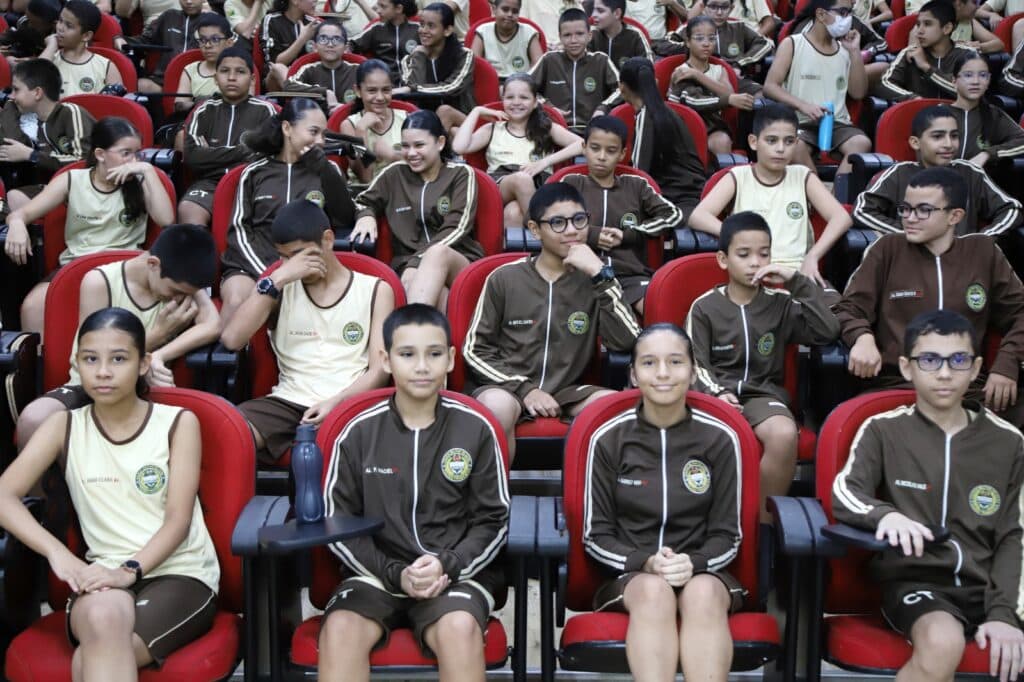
{"x": 841, "y": 11}
{"x": 921, "y": 211}
{"x": 932, "y": 362}
{"x": 716, "y": 7}
{"x": 210, "y": 42}
{"x": 559, "y": 223}
{"x": 330, "y": 40}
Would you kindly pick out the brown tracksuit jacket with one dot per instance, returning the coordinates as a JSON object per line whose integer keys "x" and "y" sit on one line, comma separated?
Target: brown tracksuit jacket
{"x": 629, "y": 43}
{"x": 213, "y": 134}
{"x": 316, "y": 78}
{"x": 903, "y": 79}
{"x": 420, "y": 73}
{"x": 1005, "y": 140}
{"x": 580, "y": 87}
{"x": 388, "y": 43}
{"x": 173, "y": 29}
{"x": 278, "y": 32}
{"x": 735, "y": 42}
{"x": 62, "y": 138}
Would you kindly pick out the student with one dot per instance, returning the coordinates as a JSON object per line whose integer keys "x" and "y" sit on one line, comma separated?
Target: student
{"x": 440, "y": 67}
{"x": 925, "y": 268}
{"x": 871, "y": 41}
{"x": 430, "y": 206}
{"x": 936, "y": 139}
{"x": 754, "y": 13}
{"x": 986, "y": 132}
{"x": 613, "y": 37}
{"x": 246, "y": 18}
{"x": 325, "y": 325}
{"x": 523, "y": 367}
{"x": 507, "y": 44}
{"x": 705, "y": 87}
{"x": 285, "y": 35}
{"x": 391, "y": 39}
{"x": 548, "y": 15}
{"x": 780, "y": 191}
{"x": 992, "y": 12}
{"x": 663, "y": 146}
{"x": 174, "y": 29}
{"x": 355, "y": 14}
{"x": 100, "y": 217}
{"x": 214, "y": 131}
{"x": 165, "y": 288}
{"x": 671, "y": 578}
{"x": 1012, "y": 82}
{"x": 446, "y": 505}
{"x": 199, "y": 78}
{"x": 939, "y": 594}
{"x": 374, "y": 121}
{"x": 30, "y": 35}
{"x": 625, "y": 210}
{"x": 816, "y": 68}
{"x": 971, "y": 33}
{"x": 580, "y": 84}
{"x": 331, "y": 77}
{"x": 872, "y": 12}
{"x": 40, "y": 134}
{"x": 926, "y": 69}
{"x": 653, "y": 16}
{"x": 291, "y": 165}
{"x": 82, "y": 72}
{"x": 740, "y": 332}
{"x": 522, "y": 144}
{"x": 145, "y": 588}
{"x": 149, "y": 9}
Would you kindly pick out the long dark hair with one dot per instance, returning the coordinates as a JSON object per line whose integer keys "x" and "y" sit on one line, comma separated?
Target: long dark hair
{"x": 452, "y": 51}
{"x": 986, "y": 105}
{"x": 364, "y": 70}
{"x": 638, "y": 74}
{"x": 427, "y": 120}
{"x": 268, "y": 139}
{"x": 121, "y": 320}
{"x": 538, "y": 125}
{"x": 105, "y": 134}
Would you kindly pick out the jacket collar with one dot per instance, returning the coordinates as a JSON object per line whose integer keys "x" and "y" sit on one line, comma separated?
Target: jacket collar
{"x": 646, "y": 424}
{"x": 974, "y": 410}
{"x": 396, "y": 418}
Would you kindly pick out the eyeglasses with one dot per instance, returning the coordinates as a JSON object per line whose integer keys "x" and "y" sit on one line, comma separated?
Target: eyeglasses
{"x": 971, "y": 75}
{"x": 841, "y": 11}
{"x": 330, "y": 40}
{"x": 932, "y": 362}
{"x": 703, "y": 38}
{"x": 559, "y": 223}
{"x": 716, "y": 7}
{"x": 921, "y": 211}
{"x": 210, "y": 42}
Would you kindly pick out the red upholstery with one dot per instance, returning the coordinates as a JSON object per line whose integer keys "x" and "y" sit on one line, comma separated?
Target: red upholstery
{"x": 109, "y": 29}
{"x": 479, "y": 159}
{"x": 5, "y": 73}
{"x": 638, "y": 26}
{"x": 866, "y": 642}
{"x": 471, "y": 33}
{"x": 122, "y": 63}
{"x": 54, "y": 221}
{"x": 694, "y": 123}
{"x": 584, "y": 575}
{"x": 486, "y": 84}
{"x": 663, "y": 69}
{"x": 894, "y": 128}
{"x": 346, "y": 110}
{"x": 226, "y": 484}
{"x": 1004, "y": 31}
{"x": 655, "y": 247}
{"x": 478, "y": 11}
{"x": 258, "y": 64}
{"x": 310, "y": 57}
{"x": 102, "y": 106}
{"x": 899, "y": 8}
{"x": 670, "y": 295}
{"x": 784, "y": 31}
{"x": 326, "y": 570}
{"x": 223, "y": 207}
{"x": 897, "y": 36}
{"x": 172, "y": 75}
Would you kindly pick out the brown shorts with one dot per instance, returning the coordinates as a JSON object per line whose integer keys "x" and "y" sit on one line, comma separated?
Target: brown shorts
{"x": 390, "y": 611}
{"x": 757, "y": 409}
{"x": 609, "y": 596}
{"x": 71, "y": 397}
{"x": 903, "y": 603}
{"x": 28, "y": 190}
{"x": 170, "y": 612}
{"x": 841, "y": 133}
{"x": 566, "y": 398}
{"x": 275, "y": 420}
{"x": 201, "y": 194}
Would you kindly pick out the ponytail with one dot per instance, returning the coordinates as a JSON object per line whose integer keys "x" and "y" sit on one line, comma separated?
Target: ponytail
{"x": 538, "y": 125}
{"x": 452, "y": 51}
{"x": 268, "y": 139}
{"x": 637, "y": 74}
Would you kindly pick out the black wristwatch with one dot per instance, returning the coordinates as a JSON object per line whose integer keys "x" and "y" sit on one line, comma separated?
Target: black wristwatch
{"x": 135, "y": 567}
{"x": 265, "y": 287}
{"x": 34, "y": 156}
{"x": 605, "y": 274}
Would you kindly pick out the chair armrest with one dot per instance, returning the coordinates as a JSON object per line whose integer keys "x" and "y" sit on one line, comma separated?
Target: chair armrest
{"x": 367, "y": 247}
{"x": 19, "y": 372}
{"x": 22, "y": 578}
{"x": 292, "y": 536}
{"x": 522, "y": 526}
{"x": 863, "y": 167}
{"x": 552, "y": 538}
{"x": 521, "y": 239}
{"x": 215, "y": 367}
{"x": 848, "y": 536}
{"x": 615, "y": 369}
{"x": 720, "y": 161}
{"x": 794, "y": 534}
{"x": 689, "y": 241}
{"x": 167, "y": 160}
{"x": 833, "y": 383}
{"x": 261, "y": 511}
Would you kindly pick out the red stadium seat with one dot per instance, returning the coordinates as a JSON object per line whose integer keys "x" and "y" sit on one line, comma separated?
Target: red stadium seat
{"x": 486, "y": 85}
{"x": 479, "y": 159}
{"x": 595, "y": 641}
{"x": 54, "y": 221}
{"x": 346, "y": 110}
{"x": 122, "y": 63}
{"x": 172, "y": 75}
{"x": 478, "y": 11}
{"x": 638, "y": 26}
{"x": 401, "y": 653}
{"x": 226, "y": 484}
{"x": 310, "y": 57}
{"x": 258, "y": 64}
{"x": 899, "y": 8}
{"x": 102, "y": 106}
{"x": 109, "y": 29}
{"x": 897, "y": 36}
{"x": 5, "y": 74}
{"x": 670, "y": 295}
{"x": 1004, "y": 31}
{"x": 471, "y": 33}
{"x": 694, "y": 123}
{"x": 894, "y": 128}
{"x": 663, "y": 69}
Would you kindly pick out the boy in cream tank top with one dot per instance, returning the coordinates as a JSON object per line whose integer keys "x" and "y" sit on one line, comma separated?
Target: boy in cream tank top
{"x": 325, "y": 324}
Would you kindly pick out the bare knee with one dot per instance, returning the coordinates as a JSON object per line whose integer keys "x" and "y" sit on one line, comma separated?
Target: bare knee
{"x": 504, "y": 406}
{"x": 513, "y": 214}
{"x": 191, "y": 212}
{"x": 348, "y": 629}
{"x": 458, "y": 630}
{"x": 650, "y": 596}
{"x": 938, "y": 636}
{"x": 436, "y": 255}
{"x": 33, "y": 416}
{"x": 857, "y": 145}
{"x": 704, "y": 595}
{"x": 107, "y": 615}
{"x": 777, "y": 432}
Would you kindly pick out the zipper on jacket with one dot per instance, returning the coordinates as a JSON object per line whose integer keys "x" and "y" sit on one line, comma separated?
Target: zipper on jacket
{"x": 288, "y": 188}
{"x": 398, "y": 55}
{"x": 423, "y": 217}
{"x": 746, "y": 350}
{"x": 938, "y": 270}
{"x": 231, "y": 124}
{"x": 959, "y": 561}
{"x": 945, "y": 509}
{"x": 963, "y": 139}
{"x": 334, "y": 83}
{"x": 433, "y": 66}
{"x": 187, "y": 18}
{"x": 574, "y": 122}
{"x": 547, "y": 340}
{"x": 664, "y": 492}
{"x": 416, "y": 486}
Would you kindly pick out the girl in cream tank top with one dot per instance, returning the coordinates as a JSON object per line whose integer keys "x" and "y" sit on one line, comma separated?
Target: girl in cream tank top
{"x": 97, "y": 220}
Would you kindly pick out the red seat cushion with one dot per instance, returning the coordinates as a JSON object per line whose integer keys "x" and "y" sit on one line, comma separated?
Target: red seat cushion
{"x": 867, "y": 643}
{"x": 401, "y": 650}
{"x": 542, "y": 427}
{"x": 806, "y": 443}
{"x": 42, "y": 652}
{"x": 611, "y": 627}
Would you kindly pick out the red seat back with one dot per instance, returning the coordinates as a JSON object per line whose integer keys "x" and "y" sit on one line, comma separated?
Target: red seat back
{"x": 899, "y": 8}
{"x": 848, "y": 589}
{"x": 326, "y": 568}
{"x": 257, "y": 56}
{"x": 310, "y": 57}
{"x": 479, "y": 10}
{"x": 694, "y": 123}
{"x": 346, "y": 110}
{"x": 122, "y": 63}
{"x": 663, "y": 75}
{"x": 1004, "y": 31}
{"x": 5, "y": 73}
{"x": 471, "y": 33}
{"x": 109, "y": 29}
{"x": 894, "y": 128}
{"x": 479, "y": 159}
{"x": 102, "y": 106}
{"x": 638, "y": 26}
{"x": 486, "y": 84}
{"x": 172, "y": 75}
{"x": 584, "y": 574}
{"x": 897, "y": 36}
{"x": 54, "y": 221}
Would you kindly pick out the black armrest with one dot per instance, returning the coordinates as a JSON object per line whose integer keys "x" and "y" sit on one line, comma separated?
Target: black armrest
{"x": 259, "y": 512}
{"x": 849, "y": 536}
{"x": 522, "y": 526}
{"x": 521, "y": 239}
{"x": 794, "y": 534}
{"x": 552, "y": 538}
{"x": 22, "y": 579}
{"x": 847, "y": 257}
{"x": 367, "y": 247}
{"x": 215, "y": 368}
{"x": 167, "y": 160}
{"x": 833, "y": 383}
{"x": 615, "y": 369}
{"x": 292, "y": 536}
{"x": 863, "y": 167}
{"x": 720, "y": 161}
{"x": 689, "y": 241}
{"x": 19, "y": 370}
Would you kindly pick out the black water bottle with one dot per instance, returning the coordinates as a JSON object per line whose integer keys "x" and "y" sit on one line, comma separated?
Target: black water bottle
{"x": 307, "y": 468}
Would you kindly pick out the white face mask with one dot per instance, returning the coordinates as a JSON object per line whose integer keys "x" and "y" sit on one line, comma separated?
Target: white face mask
{"x": 840, "y": 27}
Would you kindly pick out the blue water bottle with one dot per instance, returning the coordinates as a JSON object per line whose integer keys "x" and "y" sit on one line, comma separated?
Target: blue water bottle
{"x": 825, "y": 128}
{"x": 307, "y": 469}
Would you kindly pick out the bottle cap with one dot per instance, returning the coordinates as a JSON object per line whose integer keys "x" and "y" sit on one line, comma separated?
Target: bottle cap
{"x": 305, "y": 433}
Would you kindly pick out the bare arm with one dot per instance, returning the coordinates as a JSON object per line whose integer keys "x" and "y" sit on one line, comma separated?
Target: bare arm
{"x": 113, "y": 75}
{"x": 535, "y": 52}
{"x": 205, "y": 329}
{"x": 93, "y": 294}
{"x": 158, "y": 204}
{"x": 705, "y": 214}
{"x": 184, "y": 85}
{"x": 18, "y": 246}
{"x": 571, "y": 146}
{"x": 469, "y": 138}
{"x": 478, "y": 46}
{"x": 826, "y": 205}
{"x": 295, "y": 49}
{"x": 773, "y": 88}
{"x": 247, "y": 320}
{"x": 857, "y": 86}
{"x": 988, "y": 40}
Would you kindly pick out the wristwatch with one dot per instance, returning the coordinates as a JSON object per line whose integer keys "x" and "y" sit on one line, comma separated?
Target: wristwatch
{"x": 34, "y": 156}
{"x": 605, "y": 274}
{"x": 265, "y": 287}
{"x": 133, "y": 566}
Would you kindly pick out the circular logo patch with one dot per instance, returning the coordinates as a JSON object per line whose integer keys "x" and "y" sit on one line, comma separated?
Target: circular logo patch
{"x": 65, "y": 144}
{"x": 411, "y": 45}
{"x": 733, "y": 50}
{"x": 984, "y": 500}
{"x": 150, "y": 479}
{"x": 316, "y": 196}
{"x": 444, "y": 204}
{"x": 86, "y": 84}
{"x": 840, "y": 83}
{"x": 456, "y": 465}
{"x": 579, "y": 323}
{"x": 349, "y": 96}
{"x": 976, "y": 297}
{"x": 795, "y": 210}
{"x": 518, "y": 62}
{"x": 310, "y": 46}
{"x": 696, "y": 477}
{"x": 352, "y": 333}
{"x": 628, "y": 221}
{"x": 124, "y": 218}
{"x": 589, "y": 84}
{"x": 766, "y": 344}
{"x": 982, "y": 144}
